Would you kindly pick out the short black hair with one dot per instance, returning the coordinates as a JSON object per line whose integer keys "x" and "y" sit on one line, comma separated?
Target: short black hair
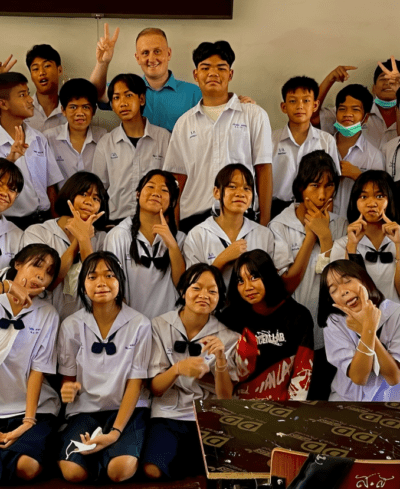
{"x": 304, "y": 82}
{"x": 44, "y": 51}
{"x": 343, "y": 268}
{"x": 15, "y": 177}
{"x": 152, "y": 30}
{"x": 357, "y": 91}
{"x": 78, "y": 88}
{"x": 89, "y": 266}
{"x": 10, "y": 80}
{"x": 387, "y": 64}
{"x": 398, "y": 98}
{"x": 207, "y": 49}
{"x": 36, "y": 252}
{"x": 134, "y": 83}
{"x": 224, "y": 177}
{"x": 385, "y": 184}
{"x": 78, "y": 184}
{"x": 311, "y": 169}
{"x": 192, "y": 274}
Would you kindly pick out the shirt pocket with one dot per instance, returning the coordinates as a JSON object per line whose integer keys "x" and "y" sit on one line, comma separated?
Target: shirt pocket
{"x": 239, "y": 144}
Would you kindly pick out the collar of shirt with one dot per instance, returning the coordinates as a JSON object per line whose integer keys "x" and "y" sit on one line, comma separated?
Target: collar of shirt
{"x": 36, "y": 304}
{"x": 388, "y": 308}
{"x": 6, "y": 226}
{"x": 57, "y": 231}
{"x": 64, "y": 135}
{"x": 212, "y": 327}
{"x": 376, "y": 112}
{"x": 366, "y": 242}
{"x": 232, "y": 104}
{"x": 30, "y": 135}
{"x": 145, "y": 240}
{"x": 149, "y": 131}
{"x": 169, "y": 84}
{"x": 211, "y": 224}
{"x": 288, "y": 218}
{"x": 360, "y": 144}
{"x": 313, "y": 133}
{"x": 39, "y": 108}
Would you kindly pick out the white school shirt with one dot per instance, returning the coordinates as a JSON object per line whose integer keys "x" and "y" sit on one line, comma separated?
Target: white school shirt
{"x": 341, "y": 343}
{"x": 287, "y": 154}
{"x": 68, "y": 159}
{"x": 374, "y": 130}
{"x": 120, "y": 165}
{"x": 10, "y": 241}
{"x": 177, "y": 401}
{"x": 289, "y": 235}
{"x": 40, "y": 121}
{"x": 203, "y": 243}
{"x": 39, "y": 169}
{"x": 50, "y": 233}
{"x": 200, "y": 147}
{"x": 364, "y": 156}
{"x": 103, "y": 377}
{"x": 392, "y": 158}
{"x": 33, "y": 349}
{"x": 381, "y": 273}
{"x": 147, "y": 290}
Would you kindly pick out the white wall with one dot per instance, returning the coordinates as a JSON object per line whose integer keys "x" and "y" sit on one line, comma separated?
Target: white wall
{"x": 273, "y": 40}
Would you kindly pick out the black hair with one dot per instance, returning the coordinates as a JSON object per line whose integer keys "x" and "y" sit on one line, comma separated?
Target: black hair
{"x": 344, "y": 268}
{"x": 357, "y": 91}
{"x": 303, "y": 82}
{"x": 15, "y": 177}
{"x": 10, "y": 80}
{"x": 36, "y": 253}
{"x": 192, "y": 274}
{"x": 44, "y": 51}
{"x": 312, "y": 168}
{"x": 387, "y": 64}
{"x": 78, "y": 88}
{"x": 385, "y": 184}
{"x": 152, "y": 30}
{"x": 89, "y": 266}
{"x": 207, "y": 49}
{"x": 78, "y": 184}
{"x": 173, "y": 189}
{"x": 224, "y": 177}
{"x": 398, "y": 98}
{"x": 134, "y": 83}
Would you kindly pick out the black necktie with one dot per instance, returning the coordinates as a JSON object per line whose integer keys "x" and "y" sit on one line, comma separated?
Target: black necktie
{"x": 384, "y": 256}
{"x": 161, "y": 263}
{"x": 18, "y": 324}
{"x": 110, "y": 347}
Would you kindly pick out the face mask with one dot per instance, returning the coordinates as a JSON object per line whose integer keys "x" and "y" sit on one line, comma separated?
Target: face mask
{"x": 349, "y": 131}
{"x": 385, "y": 104}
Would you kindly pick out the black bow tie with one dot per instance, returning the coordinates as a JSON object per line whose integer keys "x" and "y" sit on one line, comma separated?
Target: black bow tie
{"x": 18, "y": 323}
{"x": 110, "y": 347}
{"x": 194, "y": 348}
{"x": 161, "y": 263}
{"x": 384, "y": 256}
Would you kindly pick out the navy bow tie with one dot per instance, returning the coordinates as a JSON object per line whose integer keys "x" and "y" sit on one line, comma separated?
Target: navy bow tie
{"x": 18, "y": 323}
{"x": 384, "y": 256}
{"x": 194, "y": 348}
{"x": 161, "y": 263}
{"x": 110, "y": 347}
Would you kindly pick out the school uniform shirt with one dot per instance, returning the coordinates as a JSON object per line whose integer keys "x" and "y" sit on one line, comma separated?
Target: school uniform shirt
{"x": 120, "y": 165}
{"x": 10, "y": 241}
{"x": 287, "y": 154}
{"x": 364, "y": 156}
{"x": 341, "y": 343}
{"x": 390, "y": 152}
{"x": 289, "y": 235}
{"x": 148, "y": 290}
{"x": 33, "y": 349}
{"x": 177, "y": 402}
{"x": 374, "y": 130}
{"x": 103, "y": 377}
{"x": 39, "y": 169}
{"x": 40, "y": 121}
{"x": 68, "y": 159}
{"x": 207, "y": 240}
{"x": 381, "y": 273}
{"x": 64, "y": 297}
{"x": 200, "y": 147}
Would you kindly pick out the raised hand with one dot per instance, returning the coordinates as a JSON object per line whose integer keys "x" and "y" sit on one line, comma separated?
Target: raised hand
{"x": 7, "y": 65}
{"x": 21, "y": 294}
{"x": 213, "y": 346}
{"x": 69, "y": 391}
{"x": 355, "y": 231}
{"x": 80, "y": 228}
{"x": 105, "y": 46}
{"x": 340, "y": 74}
{"x": 391, "y": 229}
{"x": 19, "y": 147}
{"x": 193, "y": 367}
{"x": 245, "y": 99}
{"x": 234, "y": 250}
{"x": 163, "y": 230}
{"x": 317, "y": 220}
{"x": 393, "y": 76}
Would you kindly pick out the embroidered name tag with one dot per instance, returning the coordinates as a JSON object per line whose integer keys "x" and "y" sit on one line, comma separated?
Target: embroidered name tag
{"x": 239, "y": 126}
{"x": 113, "y": 156}
{"x": 281, "y": 151}
{"x": 295, "y": 247}
{"x": 193, "y": 134}
{"x": 211, "y": 256}
{"x": 158, "y": 157}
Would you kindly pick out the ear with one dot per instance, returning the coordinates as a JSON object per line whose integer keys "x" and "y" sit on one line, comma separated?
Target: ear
{"x": 373, "y": 89}
{"x": 316, "y": 105}
{"x": 195, "y": 75}
{"x": 3, "y": 104}
{"x": 283, "y": 107}
{"x": 367, "y": 117}
{"x": 142, "y": 99}
{"x": 17, "y": 265}
{"x": 230, "y": 75}
{"x": 63, "y": 111}
{"x": 60, "y": 70}
{"x": 169, "y": 51}
{"x": 217, "y": 193}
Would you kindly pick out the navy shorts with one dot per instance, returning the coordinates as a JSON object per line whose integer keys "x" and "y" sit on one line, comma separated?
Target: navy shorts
{"x": 35, "y": 443}
{"x": 174, "y": 447}
{"x": 129, "y": 443}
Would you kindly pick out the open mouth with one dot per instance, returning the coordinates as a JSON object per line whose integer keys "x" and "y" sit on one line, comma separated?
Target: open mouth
{"x": 352, "y": 302}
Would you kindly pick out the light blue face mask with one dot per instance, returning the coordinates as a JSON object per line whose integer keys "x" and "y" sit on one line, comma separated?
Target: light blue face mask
{"x": 349, "y": 131}
{"x": 385, "y": 104}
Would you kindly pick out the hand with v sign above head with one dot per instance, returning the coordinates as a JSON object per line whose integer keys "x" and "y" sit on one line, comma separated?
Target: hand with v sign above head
{"x": 106, "y": 44}
{"x": 393, "y": 76}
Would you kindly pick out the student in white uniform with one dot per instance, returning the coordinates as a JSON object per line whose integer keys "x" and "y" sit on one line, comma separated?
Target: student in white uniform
{"x": 103, "y": 353}
{"x": 28, "y": 330}
{"x": 220, "y": 240}
{"x": 373, "y": 235}
{"x": 74, "y": 142}
{"x": 11, "y": 184}
{"x": 83, "y": 206}
{"x": 149, "y": 246}
{"x": 127, "y": 153}
{"x": 191, "y": 359}
{"x": 391, "y": 149}
{"x": 362, "y": 335}
{"x": 304, "y": 235}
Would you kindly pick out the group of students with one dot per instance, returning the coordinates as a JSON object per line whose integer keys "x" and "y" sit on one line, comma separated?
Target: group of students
{"x": 138, "y": 319}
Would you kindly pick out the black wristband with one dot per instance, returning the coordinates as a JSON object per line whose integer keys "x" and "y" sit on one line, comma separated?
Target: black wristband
{"x": 116, "y": 429}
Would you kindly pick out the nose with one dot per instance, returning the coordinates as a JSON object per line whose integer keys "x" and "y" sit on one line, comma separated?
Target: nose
{"x": 371, "y": 202}
{"x": 40, "y": 274}
{"x": 88, "y": 200}
{"x": 322, "y": 193}
{"x": 248, "y": 285}
{"x": 343, "y": 291}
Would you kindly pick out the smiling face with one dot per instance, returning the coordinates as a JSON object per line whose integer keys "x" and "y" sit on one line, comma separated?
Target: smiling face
{"x": 350, "y": 112}
{"x": 88, "y": 203}
{"x": 101, "y": 285}
{"x": 35, "y": 273}
{"x": 237, "y": 195}
{"x": 319, "y": 192}
{"x": 19, "y": 103}
{"x": 213, "y": 76}
{"x": 250, "y": 287}
{"x": 45, "y": 75}
{"x": 79, "y": 114}
{"x": 344, "y": 290}
{"x": 7, "y": 193}
{"x": 126, "y": 104}
{"x": 382, "y": 89}
{"x": 153, "y": 55}
{"x": 299, "y": 106}
{"x": 201, "y": 297}
{"x": 372, "y": 202}
{"x": 154, "y": 196}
